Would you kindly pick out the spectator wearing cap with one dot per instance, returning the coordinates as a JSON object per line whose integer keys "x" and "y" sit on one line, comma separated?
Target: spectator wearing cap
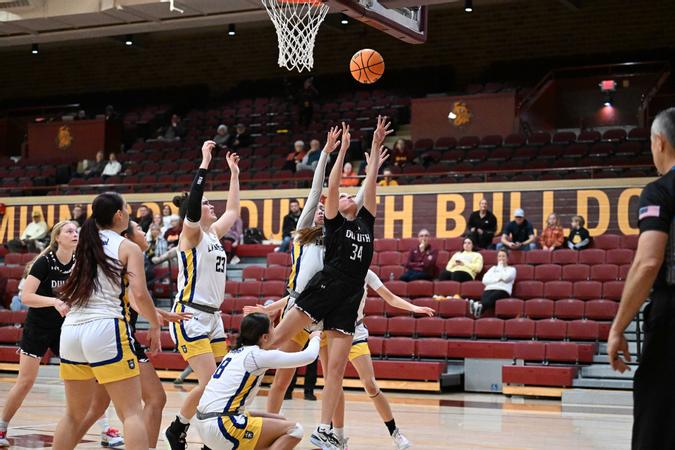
{"x": 294, "y": 157}
{"x": 482, "y": 226}
{"x": 421, "y": 264}
{"x": 222, "y": 136}
{"x": 30, "y": 239}
{"x": 241, "y": 138}
{"x": 311, "y": 158}
{"x": 518, "y": 234}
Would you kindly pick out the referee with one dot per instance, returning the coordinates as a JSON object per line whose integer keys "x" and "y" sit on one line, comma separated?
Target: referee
{"x": 654, "y": 388}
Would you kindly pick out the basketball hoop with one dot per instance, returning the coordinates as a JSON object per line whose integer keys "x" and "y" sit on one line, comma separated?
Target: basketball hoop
{"x": 297, "y": 23}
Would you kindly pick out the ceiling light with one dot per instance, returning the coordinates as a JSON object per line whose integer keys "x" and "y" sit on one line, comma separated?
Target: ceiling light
{"x": 35, "y": 49}
{"x": 129, "y": 40}
{"x": 231, "y": 30}
{"x": 468, "y": 6}
{"x": 344, "y": 20}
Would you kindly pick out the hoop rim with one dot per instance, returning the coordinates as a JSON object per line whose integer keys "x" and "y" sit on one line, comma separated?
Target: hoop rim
{"x": 311, "y": 2}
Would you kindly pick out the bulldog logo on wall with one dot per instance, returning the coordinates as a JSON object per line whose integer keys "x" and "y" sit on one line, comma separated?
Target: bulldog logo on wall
{"x": 460, "y": 114}
{"x": 63, "y": 138}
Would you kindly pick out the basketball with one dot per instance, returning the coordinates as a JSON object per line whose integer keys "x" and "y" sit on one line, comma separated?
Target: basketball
{"x": 366, "y": 66}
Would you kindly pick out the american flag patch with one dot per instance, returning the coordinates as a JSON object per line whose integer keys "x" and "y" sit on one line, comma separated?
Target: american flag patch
{"x": 649, "y": 211}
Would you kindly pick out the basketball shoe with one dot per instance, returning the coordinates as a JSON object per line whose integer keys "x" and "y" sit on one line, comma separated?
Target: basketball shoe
{"x": 111, "y": 438}
{"x": 325, "y": 440}
{"x": 400, "y": 441}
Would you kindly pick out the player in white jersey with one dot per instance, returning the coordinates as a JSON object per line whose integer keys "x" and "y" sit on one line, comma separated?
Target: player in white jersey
{"x": 223, "y": 421}
{"x": 201, "y": 341}
{"x": 95, "y": 342}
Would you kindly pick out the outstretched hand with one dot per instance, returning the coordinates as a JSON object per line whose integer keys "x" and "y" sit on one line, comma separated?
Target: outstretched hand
{"x": 424, "y": 310}
{"x": 346, "y": 138}
{"x": 233, "y": 161}
{"x": 384, "y": 155}
{"x": 381, "y": 131}
{"x": 332, "y": 140}
{"x": 616, "y": 343}
{"x": 207, "y": 152}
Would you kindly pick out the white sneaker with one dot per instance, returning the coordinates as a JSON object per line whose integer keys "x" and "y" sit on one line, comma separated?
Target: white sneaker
{"x": 111, "y": 438}
{"x": 343, "y": 443}
{"x": 3, "y": 439}
{"x": 325, "y": 440}
{"x": 400, "y": 441}
{"x": 478, "y": 310}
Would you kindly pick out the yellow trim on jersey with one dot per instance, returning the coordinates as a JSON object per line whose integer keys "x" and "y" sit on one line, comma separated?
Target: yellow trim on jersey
{"x": 296, "y": 255}
{"x": 360, "y": 349}
{"x": 242, "y": 437}
{"x": 243, "y": 391}
{"x": 189, "y": 269}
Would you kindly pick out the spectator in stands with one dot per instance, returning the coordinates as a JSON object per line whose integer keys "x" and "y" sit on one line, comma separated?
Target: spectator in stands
{"x": 464, "y": 265}
{"x": 17, "y": 304}
{"x": 234, "y": 236}
{"x": 173, "y": 233}
{"x": 112, "y": 168}
{"x": 222, "y": 137}
{"x": 156, "y": 220}
{"x": 482, "y": 226}
{"x": 174, "y": 131}
{"x": 349, "y": 178}
{"x": 157, "y": 244}
{"x": 110, "y": 114}
{"x": 167, "y": 217}
{"x": 241, "y": 139}
{"x": 387, "y": 179}
{"x": 78, "y": 215}
{"x": 31, "y": 238}
{"x": 295, "y": 157}
{"x": 95, "y": 168}
{"x": 307, "y": 96}
{"x": 311, "y": 158}
{"x": 553, "y": 236}
{"x": 289, "y": 225}
{"x": 579, "y": 237}
{"x": 498, "y": 283}
{"x": 421, "y": 264}
{"x": 401, "y": 156}
{"x": 143, "y": 217}
{"x": 518, "y": 234}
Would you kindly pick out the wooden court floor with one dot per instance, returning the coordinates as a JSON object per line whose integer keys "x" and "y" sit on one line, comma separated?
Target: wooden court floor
{"x": 431, "y": 421}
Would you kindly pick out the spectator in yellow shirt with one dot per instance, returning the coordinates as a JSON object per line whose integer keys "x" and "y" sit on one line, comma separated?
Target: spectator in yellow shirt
{"x": 387, "y": 179}
{"x": 464, "y": 265}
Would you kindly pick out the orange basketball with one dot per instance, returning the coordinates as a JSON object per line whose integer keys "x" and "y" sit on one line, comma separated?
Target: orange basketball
{"x": 366, "y": 66}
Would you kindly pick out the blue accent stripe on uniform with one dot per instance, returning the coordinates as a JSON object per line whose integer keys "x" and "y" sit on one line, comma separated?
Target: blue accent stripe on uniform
{"x": 228, "y": 436}
{"x": 184, "y": 332}
{"x": 243, "y": 400}
{"x": 360, "y": 341}
{"x": 194, "y": 274}
{"x": 297, "y": 268}
{"x": 219, "y": 340}
{"x": 67, "y": 361}
{"x": 236, "y": 424}
{"x": 236, "y": 394}
{"x": 118, "y": 340}
{"x": 185, "y": 275}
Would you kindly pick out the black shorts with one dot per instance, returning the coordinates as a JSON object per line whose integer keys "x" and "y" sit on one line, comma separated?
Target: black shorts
{"x": 333, "y": 298}
{"x": 37, "y": 340}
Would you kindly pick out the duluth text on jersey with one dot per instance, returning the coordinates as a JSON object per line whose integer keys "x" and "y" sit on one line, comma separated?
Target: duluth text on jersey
{"x": 358, "y": 237}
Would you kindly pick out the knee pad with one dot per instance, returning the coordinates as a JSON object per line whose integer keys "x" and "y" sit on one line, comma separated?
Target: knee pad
{"x": 296, "y": 431}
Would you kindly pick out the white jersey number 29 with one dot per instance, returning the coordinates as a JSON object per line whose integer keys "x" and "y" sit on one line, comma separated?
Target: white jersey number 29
{"x": 357, "y": 252}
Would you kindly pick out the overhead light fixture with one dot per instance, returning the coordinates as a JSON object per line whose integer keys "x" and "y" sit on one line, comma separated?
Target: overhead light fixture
{"x": 343, "y": 19}
{"x": 129, "y": 40}
{"x": 35, "y": 49}
{"x": 231, "y": 31}
{"x": 468, "y": 6}
{"x": 607, "y": 88}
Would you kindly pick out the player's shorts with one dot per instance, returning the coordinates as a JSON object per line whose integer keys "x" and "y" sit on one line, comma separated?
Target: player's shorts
{"x": 230, "y": 432}
{"x": 303, "y": 335}
{"x": 37, "y": 340}
{"x": 203, "y": 333}
{"x": 98, "y": 349}
{"x": 359, "y": 343}
{"x": 331, "y": 297}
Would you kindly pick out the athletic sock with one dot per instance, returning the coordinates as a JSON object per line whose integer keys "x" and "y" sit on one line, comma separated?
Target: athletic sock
{"x": 182, "y": 419}
{"x": 391, "y": 426}
{"x": 340, "y": 433}
{"x": 324, "y": 427}
{"x": 3, "y": 425}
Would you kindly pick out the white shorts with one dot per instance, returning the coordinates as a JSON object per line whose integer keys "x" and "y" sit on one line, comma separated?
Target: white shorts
{"x": 100, "y": 349}
{"x": 228, "y": 432}
{"x": 360, "y": 334}
{"x": 203, "y": 333}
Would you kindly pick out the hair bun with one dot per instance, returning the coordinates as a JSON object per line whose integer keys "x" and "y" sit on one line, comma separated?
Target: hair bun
{"x": 178, "y": 200}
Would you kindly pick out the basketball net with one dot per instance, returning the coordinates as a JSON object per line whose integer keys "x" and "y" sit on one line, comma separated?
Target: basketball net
{"x": 297, "y": 23}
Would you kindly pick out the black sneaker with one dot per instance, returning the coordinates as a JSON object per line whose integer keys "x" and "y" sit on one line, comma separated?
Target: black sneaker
{"x": 325, "y": 440}
{"x": 310, "y": 396}
{"x": 176, "y": 435}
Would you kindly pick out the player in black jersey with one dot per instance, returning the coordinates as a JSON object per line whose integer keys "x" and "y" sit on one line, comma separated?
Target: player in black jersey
{"x": 42, "y": 330}
{"x": 333, "y": 295}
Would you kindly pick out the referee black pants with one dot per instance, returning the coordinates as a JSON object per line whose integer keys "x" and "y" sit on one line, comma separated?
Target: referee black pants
{"x": 654, "y": 382}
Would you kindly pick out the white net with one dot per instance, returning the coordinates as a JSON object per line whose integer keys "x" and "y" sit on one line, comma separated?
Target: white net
{"x": 297, "y": 23}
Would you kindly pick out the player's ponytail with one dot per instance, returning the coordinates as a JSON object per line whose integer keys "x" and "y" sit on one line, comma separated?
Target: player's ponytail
{"x": 308, "y": 235}
{"x": 180, "y": 202}
{"x": 252, "y": 328}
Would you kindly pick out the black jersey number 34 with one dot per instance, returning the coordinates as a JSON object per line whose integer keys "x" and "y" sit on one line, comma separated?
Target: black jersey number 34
{"x": 220, "y": 264}
{"x": 357, "y": 252}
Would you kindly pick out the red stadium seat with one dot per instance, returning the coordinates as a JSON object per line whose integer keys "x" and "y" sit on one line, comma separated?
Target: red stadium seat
{"x": 389, "y": 258}
{"x": 520, "y": 328}
{"x": 508, "y": 308}
{"x": 630, "y": 241}
{"x": 377, "y": 325}
{"x": 273, "y": 289}
{"x": 429, "y": 327}
{"x": 432, "y": 348}
{"x": 250, "y": 288}
{"x": 569, "y": 309}
{"x": 528, "y": 289}
{"x": 399, "y": 288}
{"x": 612, "y": 290}
{"x": 551, "y": 329}
{"x": 453, "y": 308}
{"x": 517, "y": 257}
{"x": 13, "y": 258}
{"x": 583, "y": 330}
{"x": 376, "y": 345}
{"x": 472, "y": 289}
{"x": 607, "y": 241}
{"x": 374, "y": 307}
{"x": 489, "y": 328}
{"x": 399, "y": 346}
{"x": 227, "y": 321}
{"x": 536, "y": 257}
{"x": 391, "y": 272}
{"x": 459, "y": 327}
{"x": 547, "y": 272}
{"x": 401, "y": 326}
{"x": 524, "y": 272}
{"x": 592, "y": 256}
{"x": 619, "y": 256}
{"x": 587, "y": 290}
{"x": 558, "y": 289}
{"x": 601, "y": 309}
{"x": 489, "y": 257}
{"x": 420, "y": 288}
{"x": 564, "y": 257}
{"x": 278, "y": 259}
{"x": 277, "y": 273}
{"x": 10, "y": 335}
{"x": 530, "y": 351}
{"x": 407, "y": 244}
{"x": 240, "y": 302}
{"x": 429, "y": 303}
{"x": 228, "y": 305}
{"x": 562, "y": 352}
{"x": 604, "y": 272}
{"x": 454, "y": 244}
{"x": 447, "y": 288}
{"x": 623, "y": 271}
{"x": 253, "y": 273}
{"x": 576, "y": 272}
{"x": 232, "y": 288}
{"x": 386, "y": 245}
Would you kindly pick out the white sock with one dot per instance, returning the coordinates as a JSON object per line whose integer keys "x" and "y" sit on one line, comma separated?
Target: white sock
{"x": 3, "y": 425}
{"x": 324, "y": 427}
{"x": 182, "y": 419}
{"x": 340, "y": 433}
